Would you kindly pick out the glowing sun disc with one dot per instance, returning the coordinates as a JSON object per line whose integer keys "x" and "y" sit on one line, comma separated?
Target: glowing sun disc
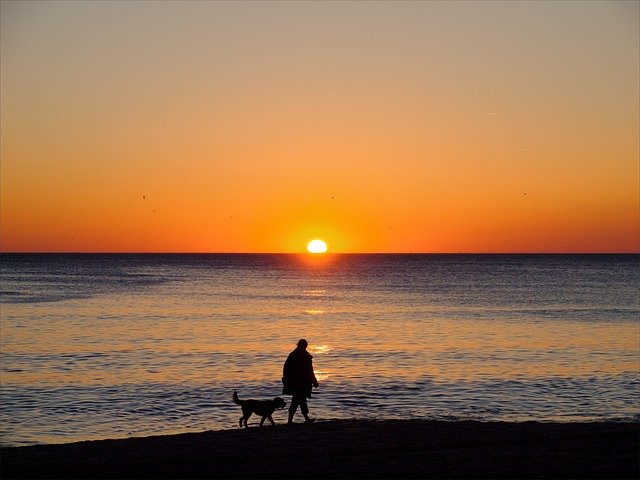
{"x": 316, "y": 246}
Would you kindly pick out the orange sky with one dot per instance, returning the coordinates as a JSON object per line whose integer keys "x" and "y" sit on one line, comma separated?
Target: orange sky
{"x": 377, "y": 126}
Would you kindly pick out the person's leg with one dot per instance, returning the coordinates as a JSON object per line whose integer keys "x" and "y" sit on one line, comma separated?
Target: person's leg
{"x": 304, "y": 408}
{"x": 293, "y": 407}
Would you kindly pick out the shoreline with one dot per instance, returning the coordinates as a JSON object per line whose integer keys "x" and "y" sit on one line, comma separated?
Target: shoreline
{"x": 348, "y": 449}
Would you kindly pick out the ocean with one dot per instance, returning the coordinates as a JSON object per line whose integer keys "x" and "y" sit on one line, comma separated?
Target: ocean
{"x": 96, "y": 346}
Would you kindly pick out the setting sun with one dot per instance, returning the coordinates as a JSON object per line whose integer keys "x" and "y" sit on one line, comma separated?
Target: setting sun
{"x": 316, "y": 246}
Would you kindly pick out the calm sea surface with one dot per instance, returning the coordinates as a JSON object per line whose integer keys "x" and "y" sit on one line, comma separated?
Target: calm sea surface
{"x": 109, "y": 346}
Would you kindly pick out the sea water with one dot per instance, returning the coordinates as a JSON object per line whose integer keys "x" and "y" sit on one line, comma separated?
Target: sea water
{"x": 111, "y": 346}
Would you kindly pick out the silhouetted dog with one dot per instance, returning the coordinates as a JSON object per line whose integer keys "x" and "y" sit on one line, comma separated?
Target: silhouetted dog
{"x": 264, "y": 408}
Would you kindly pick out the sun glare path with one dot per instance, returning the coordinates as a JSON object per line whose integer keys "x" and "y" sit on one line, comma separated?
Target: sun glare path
{"x": 316, "y": 246}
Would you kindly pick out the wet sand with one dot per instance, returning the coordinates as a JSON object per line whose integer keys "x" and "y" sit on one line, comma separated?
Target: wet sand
{"x": 349, "y": 449}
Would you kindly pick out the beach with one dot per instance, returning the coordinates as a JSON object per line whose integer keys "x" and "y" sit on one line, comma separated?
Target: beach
{"x": 348, "y": 449}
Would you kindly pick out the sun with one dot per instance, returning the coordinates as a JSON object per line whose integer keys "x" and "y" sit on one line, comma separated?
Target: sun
{"x": 316, "y": 246}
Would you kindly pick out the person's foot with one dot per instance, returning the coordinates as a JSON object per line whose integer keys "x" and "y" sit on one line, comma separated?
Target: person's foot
{"x": 309, "y": 420}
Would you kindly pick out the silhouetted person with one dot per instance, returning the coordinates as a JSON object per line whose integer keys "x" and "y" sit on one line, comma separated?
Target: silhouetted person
{"x": 297, "y": 378}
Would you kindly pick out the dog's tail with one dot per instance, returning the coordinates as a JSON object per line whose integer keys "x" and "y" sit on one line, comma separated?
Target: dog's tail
{"x": 236, "y": 399}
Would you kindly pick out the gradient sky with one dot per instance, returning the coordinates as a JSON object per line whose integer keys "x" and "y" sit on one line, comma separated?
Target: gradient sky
{"x": 378, "y": 126}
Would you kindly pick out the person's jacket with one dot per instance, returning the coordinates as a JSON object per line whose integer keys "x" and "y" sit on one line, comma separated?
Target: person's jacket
{"x": 297, "y": 374}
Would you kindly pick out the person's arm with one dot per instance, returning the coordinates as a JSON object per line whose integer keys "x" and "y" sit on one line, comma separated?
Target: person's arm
{"x": 285, "y": 370}
{"x": 314, "y": 380}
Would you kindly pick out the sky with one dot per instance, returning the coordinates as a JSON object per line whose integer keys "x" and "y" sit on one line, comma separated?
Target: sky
{"x": 444, "y": 127}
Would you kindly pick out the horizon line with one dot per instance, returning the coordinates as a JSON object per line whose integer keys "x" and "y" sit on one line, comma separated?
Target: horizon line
{"x": 42, "y": 252}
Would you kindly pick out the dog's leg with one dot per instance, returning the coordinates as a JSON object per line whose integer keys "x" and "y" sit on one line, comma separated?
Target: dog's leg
{"x": 246, "y": 413}
{"x": 262, "y": 420}
{"x": 271, "y": 420}
{"x": 241, "y": 419}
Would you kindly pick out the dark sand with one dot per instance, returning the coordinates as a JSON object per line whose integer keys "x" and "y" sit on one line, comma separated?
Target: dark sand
{"x": 349, "y": 449}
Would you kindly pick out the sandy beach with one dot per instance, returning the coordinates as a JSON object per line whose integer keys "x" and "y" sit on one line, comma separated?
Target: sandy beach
{"x": 349, "y": 449}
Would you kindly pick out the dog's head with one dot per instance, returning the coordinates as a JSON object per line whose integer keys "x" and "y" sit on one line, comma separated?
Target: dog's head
{"x": 279, "y": 403}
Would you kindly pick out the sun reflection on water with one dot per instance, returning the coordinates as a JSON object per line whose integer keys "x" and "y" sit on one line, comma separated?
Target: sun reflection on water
{"x": 321, "y": 349}
{"x": 314, "y": 293}
{"x": 321, "y": 375}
